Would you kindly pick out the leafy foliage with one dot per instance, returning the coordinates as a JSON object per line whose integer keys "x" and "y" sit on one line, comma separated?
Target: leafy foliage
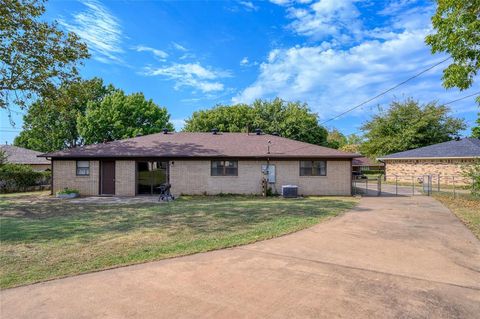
{"x": 408, "y": 125}
{"x": 3, "y": 157}
{"x": 476, "y": 129}
{"x": 353, "y": 144}
{"x": 35, "y": 54}
{"x": 335, "y": 139}
{"x": 351, "y": 148}
{"x": 68, "y": 191}
{"x": 16, "y": 177}
{"x": 51, "y": 122}
{"x": 457, "y": 25}
{"x": 289, "y": 119}
{"x": 472, "y": 172}
{"x": 120, "y": 116}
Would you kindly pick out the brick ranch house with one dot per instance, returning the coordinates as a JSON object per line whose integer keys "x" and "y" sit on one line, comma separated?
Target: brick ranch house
{"x": 444, "y": 161}
{"x": 201, "y": 163}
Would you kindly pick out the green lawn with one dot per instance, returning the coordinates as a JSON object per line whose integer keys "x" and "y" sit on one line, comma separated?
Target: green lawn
{"x": 465, "y": 206}
{"x": 47, "y": 238}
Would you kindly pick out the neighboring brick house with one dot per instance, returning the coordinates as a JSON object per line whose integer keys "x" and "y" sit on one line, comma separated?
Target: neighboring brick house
{"x": 444, "y": 160}
{"x": 201, "y": 163}
{"x": 20, "y": 155}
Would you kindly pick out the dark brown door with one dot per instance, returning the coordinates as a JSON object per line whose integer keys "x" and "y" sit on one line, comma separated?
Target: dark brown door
{"x": 107, "y": 180}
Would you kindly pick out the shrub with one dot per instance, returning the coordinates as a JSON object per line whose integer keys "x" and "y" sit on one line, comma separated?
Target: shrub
{"x": 69, "y": 191}
{"x": 472, "y": 172}
{"x": 17, "y": 177}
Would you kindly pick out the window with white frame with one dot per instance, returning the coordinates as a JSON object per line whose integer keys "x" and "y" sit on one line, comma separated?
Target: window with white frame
{"x": 83, "y": 168}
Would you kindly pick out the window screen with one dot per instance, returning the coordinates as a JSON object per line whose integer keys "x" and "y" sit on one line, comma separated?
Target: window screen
{"x": 313, "y": 168}
{"x": 83, "y": 168}
{"x": 224, "y": 168}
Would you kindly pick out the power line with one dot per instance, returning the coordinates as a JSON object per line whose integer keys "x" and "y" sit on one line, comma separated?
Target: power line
{"x": 447, "y": 103}
{"x": 462, "y": 98}
{"x": 386, "y": 91}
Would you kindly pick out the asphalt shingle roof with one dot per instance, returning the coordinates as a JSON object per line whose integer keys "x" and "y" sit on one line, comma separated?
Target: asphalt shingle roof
{"x": 184, "y": 144}
{"x": 467, "y": 147}
{"x": 20, "y": 155}
{"x": 365, "y": 161}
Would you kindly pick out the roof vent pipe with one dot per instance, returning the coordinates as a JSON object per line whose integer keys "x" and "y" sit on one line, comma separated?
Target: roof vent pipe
{"x": 165, "y": 131}
{"x": 215, "y": 131}
{"x": 258, "y": 131}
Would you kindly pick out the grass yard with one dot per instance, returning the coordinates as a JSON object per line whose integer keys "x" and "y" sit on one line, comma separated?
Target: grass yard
{"x": 44, "y": 238}
{"x": 465, "y": 206}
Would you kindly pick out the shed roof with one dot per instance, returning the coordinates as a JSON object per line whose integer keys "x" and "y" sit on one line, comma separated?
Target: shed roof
{"x": 464, "y": 148}
{"x": 20, "y": 155}
{"x": 365, "y": 161}
{"x": 192, "y": 145}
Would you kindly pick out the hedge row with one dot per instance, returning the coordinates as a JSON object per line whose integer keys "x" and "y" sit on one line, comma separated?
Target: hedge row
{"x": 15, "y": 177}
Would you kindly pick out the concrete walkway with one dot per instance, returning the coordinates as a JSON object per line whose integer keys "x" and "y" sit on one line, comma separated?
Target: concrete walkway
{"x": 405, "y": 257}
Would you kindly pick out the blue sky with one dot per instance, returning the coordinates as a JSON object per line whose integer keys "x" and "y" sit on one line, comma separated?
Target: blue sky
{"x": 191, "y": 55}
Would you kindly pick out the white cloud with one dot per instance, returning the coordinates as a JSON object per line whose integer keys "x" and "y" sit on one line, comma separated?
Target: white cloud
{"x": 282, "y": 2}
{"x": 327, "y": 18}
{"x": 192, "y": 75}
{"x": 249, "y": 5}
{"x": 179, "y": 47}
{"x": 244, "y": 61}
{"x": 178, "y": 124}
{"x": 333, "y": 78}
{"x": 161, "y": 55}
{"x": 100, "y": 29}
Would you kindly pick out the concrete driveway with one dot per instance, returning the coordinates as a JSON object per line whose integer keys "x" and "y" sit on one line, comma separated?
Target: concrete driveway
{"x": 405, "y": 257}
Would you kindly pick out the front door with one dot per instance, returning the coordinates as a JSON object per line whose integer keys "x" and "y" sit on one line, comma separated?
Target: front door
{"x": 107, "y": 178}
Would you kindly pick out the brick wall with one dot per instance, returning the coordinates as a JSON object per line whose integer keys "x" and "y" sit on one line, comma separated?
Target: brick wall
{"x": 446, "y": 169}
{"x": 125, "y": 178}
{"x": 65, "y": 175}
{"x": 193, "y": 177}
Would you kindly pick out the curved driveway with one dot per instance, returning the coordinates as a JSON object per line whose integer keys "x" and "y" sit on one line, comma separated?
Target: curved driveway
{"x": 405, "y": 257}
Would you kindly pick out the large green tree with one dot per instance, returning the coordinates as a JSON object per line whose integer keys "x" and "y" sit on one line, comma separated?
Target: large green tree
{"x": 408, "y": 125}
{"x": 51, "y": 122}
{"x": 336, "y": 139}
{"x": 120, "y": 116}
{"x": 35, "y": 55}
{"x": 476, "y": 129}
{"x": 457, "y": 32}
{"x": 289, "y": 119}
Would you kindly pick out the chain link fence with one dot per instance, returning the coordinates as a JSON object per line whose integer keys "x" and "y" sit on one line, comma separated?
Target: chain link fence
{"x": 410, "y": 185}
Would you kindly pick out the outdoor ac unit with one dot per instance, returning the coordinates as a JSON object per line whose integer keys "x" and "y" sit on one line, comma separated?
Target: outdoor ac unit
{"x": 289, "y": 191}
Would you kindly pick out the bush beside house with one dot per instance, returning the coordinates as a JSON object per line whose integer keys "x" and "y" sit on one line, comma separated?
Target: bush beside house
{"x": 17, "y": 177}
